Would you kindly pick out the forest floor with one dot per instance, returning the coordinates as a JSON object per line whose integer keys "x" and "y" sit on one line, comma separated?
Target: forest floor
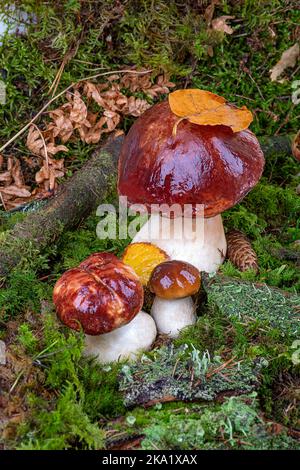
{"x": 232, "y": 380}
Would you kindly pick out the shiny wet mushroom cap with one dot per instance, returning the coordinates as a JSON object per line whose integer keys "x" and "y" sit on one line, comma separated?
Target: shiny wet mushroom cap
{"x": 174, "y": 280}
{"x": 209, "y": 165}
{"x": 98, "y": 296}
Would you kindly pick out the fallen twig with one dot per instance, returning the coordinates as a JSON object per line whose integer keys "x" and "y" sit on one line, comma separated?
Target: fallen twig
{"x": 74, "y": 201}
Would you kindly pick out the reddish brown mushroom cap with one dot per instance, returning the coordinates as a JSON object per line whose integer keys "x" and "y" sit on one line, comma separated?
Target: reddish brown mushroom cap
{"x": 175, "y": 279}
{"x": 207, "y": 165}
{"x": 99, "y": 296}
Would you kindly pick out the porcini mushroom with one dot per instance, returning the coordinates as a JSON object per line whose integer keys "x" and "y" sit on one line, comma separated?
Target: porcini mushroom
{"x": 174, "y": 280}
{"x": 210, "y": 166}
{"x": 104, "y": 297}
{"x": 206, "y": 165}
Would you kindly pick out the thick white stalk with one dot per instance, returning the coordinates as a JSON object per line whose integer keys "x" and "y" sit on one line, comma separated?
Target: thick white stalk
{"x": 171, "y": 316}
{"x": 199, "y": 241}
{"x": 125, "y": 342}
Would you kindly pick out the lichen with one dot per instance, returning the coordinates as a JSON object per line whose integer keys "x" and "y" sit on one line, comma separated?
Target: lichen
{"x": 186, "y": 374}
{"x": 245, "y": 300}
{"x": 235, "y": 424}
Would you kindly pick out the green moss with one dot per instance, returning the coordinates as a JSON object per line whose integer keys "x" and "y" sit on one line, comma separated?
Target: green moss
{"x": 279, "y": 392}
{"x": 8, "y": 221}
{"x": 235, "y": 424}
{"x": 248, "y": 301}
{"x": 76, "y": 245}
{"x": 64, "y": 426}
{"x": 266, "y": 206}
{"x": 79, "y": 391}
{"x": 23, "y": 292}
{"x": 102, "y": 397}
{"x": 27, "y": 338}
{"x": 209, "y": 333}
{"x": 277, "y": 205}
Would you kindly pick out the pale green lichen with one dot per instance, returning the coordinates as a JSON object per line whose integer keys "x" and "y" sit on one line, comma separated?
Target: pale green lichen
{"x": 235, "y": 424}
{"x": 252, "y": 301}
{"x": 185, "y": 373}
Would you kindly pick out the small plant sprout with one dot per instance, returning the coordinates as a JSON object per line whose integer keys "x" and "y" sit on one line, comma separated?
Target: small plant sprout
{"x": 131, "y": 420}
{"x": 200, "y": 364}
{"x": 127, "y": 373}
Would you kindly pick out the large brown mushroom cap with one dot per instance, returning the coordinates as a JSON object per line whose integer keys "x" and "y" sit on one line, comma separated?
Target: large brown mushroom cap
{"x": 100, "y": 295}
{"x": 207, "y": 165}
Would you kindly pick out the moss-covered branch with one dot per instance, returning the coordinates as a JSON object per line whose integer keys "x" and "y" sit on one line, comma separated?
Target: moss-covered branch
{"x": 76, "y": 199}
{"x": 276, "y": 144}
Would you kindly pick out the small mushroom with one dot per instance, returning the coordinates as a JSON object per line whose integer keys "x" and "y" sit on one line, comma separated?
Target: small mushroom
{"x": 104, "y": 297}
{"x": 174, "y": 280}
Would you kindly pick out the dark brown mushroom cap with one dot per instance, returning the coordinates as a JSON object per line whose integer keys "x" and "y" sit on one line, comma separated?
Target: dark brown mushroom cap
{"x": 174, "y": 279}
{"x": 207, "y": 165}
{"x": 101, "y": 294}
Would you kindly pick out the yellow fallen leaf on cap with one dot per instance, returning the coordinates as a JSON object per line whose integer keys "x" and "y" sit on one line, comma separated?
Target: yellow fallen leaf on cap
{"x": 207, "y": 109}
{"x": 143, "y": 258}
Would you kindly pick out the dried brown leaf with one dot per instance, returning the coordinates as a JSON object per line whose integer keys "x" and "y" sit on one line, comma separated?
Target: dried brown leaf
{"x": 34, "y": 142}
{"x": 13, "y": 176}
{"x": 17, "y": 174}
{"x": 47, "y": 175}
{"x": 93, "y": 134}
{"x": 61, "y": 126}
{"x": 6, "y": 177}
{"x": 53, "y": 149}
{"x": 16, "y": 202}
{"x": 288, "y": 59}
{"x": 92, "y": 91}
{"x": 13, "y": 190}
{"x": 42, "y": 175}
{"x": 78, "y": 113}
{"x": 136, "y": 106}
{"x": 209, "y": 11}
{"x": 113, "y": 78}
{"x": 136, "y": 82}
{"x": 10, "y": 163}
{"x": 220, "y": 24}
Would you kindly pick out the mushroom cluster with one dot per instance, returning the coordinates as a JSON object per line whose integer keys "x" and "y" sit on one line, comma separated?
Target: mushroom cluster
{"x": 103, "y": 297}
{"x": 181, "y": 178}
{"x": 201, "y": 169}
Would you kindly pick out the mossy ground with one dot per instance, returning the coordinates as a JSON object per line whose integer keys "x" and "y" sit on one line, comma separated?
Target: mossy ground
{"x": 52, "y": 397}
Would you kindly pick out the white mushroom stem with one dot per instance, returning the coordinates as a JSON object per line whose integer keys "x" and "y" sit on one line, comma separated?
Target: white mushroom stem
{"x": 125, "y": 342}
{"x": 171, "y": 316}
{"x": 200, "y": 242}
